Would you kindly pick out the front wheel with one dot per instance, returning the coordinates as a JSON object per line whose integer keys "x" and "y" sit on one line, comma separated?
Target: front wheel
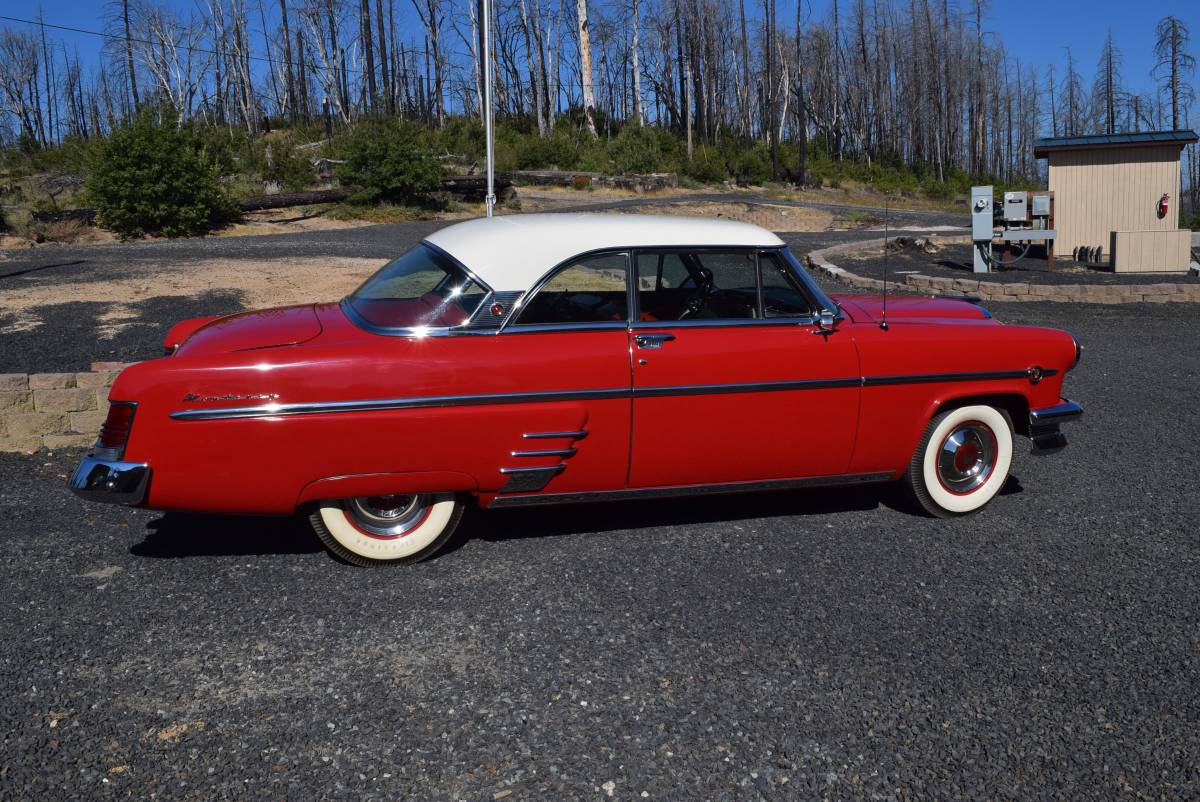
{"x": 397, "y": 529}
{"x": 962, "y": 461}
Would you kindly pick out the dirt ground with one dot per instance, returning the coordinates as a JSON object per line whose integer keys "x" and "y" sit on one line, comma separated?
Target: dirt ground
{"x": 263, "y": 283}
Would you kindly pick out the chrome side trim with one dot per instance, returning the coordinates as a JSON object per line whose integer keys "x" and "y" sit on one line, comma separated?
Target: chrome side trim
{"x": 747, "y": 387}
{"x": 933, "y": 378}
{"x": 110, "y": 481}
{"x": 549, "y": 452}
{"x": 529, "y": 480}
{"x": 676, "y": 491}
{"x": 579, "y": 435}
{"x": 371, "y": 405}
{"x": 319, "y": 407}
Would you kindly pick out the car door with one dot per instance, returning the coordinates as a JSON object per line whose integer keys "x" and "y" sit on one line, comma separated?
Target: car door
{"x": 570, "y": 341}
{"x": 732, "y": 379}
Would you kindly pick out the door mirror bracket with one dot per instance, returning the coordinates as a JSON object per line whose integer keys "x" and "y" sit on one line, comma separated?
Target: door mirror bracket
{"x": 825, "y": 323}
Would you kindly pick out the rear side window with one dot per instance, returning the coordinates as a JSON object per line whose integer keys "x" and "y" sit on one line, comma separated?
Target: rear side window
{"x": 421, "y": 288}
{"x": 592, "y": 289}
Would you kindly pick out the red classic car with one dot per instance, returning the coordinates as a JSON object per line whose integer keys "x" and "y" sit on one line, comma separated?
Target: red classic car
{"x": 541, "y": 359}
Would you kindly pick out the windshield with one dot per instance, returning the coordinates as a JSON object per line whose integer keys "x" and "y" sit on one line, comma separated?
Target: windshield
{"x": 423, "y": 287}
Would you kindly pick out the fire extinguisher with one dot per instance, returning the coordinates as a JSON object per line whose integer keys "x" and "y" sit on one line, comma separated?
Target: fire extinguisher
{"x": 1164, "y": 205}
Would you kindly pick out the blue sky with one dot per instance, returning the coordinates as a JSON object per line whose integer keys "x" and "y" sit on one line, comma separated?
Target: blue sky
{"x": 1035, "y": 31}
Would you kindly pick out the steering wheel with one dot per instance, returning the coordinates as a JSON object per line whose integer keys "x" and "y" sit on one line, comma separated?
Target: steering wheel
{"x": 704, "y": 290}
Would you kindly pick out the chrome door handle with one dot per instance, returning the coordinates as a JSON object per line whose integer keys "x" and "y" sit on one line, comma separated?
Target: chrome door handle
{"x": 652, "y": 340}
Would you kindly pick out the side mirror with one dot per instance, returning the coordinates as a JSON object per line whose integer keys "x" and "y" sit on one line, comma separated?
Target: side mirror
{"x": 825, "y": 323}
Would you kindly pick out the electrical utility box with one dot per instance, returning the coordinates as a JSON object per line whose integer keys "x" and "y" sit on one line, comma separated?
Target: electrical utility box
{"x": 1016, "y": 207}
{"x": 1041, "y": 205}
{"x": 982, "y": 224}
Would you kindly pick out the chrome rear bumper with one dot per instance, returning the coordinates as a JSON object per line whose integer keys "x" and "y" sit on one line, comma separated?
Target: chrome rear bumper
{"x": 1044, "y": 423}
{"x": 110, "y": 481}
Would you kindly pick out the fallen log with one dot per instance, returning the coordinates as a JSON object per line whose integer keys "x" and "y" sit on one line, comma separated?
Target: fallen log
{"x": 284, "y": 199}
{"x": 579, "y": 179}
{"x": 474, "y": 187}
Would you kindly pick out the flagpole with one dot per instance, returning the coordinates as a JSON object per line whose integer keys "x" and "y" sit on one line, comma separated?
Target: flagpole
{"x": 490, "y": 199}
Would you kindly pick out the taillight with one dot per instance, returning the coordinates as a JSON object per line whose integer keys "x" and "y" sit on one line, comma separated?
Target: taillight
{"x": 114, "y": 432}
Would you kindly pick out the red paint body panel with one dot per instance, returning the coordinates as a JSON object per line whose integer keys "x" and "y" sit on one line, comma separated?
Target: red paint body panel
{"x": 307, "y": 354}
{"x": 267, "y": 328}
{"x": 184, "y": 329}
{"x": 748, "y": 436}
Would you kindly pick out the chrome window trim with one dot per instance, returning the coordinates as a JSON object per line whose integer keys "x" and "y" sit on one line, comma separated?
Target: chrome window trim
{"x": 514, "y": 315}
{"x": 731, "y": 323}
{"x": 372, "y": 405}
{"x": 540, "y": 328}
{"x": 422, "y": 331}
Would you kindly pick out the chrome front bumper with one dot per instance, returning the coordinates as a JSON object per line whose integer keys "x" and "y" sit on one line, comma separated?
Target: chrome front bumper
{"x": 1044, "y": 423}
{"x": 110, "y": 481}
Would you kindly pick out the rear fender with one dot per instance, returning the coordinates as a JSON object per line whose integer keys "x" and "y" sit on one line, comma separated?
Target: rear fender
{"x": 378, "y": 484}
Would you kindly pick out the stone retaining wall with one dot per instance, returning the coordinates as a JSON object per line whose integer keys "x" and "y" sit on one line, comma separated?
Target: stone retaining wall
{"x": 54, "y": 410}
{"x": 1002, "y": 291}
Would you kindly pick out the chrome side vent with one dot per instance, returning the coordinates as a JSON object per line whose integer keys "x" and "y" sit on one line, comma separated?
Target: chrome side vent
{"x": 529, "y": 480}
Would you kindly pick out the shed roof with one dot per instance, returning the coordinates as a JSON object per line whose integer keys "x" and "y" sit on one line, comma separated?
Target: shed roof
{"x": 1139, "y": 139}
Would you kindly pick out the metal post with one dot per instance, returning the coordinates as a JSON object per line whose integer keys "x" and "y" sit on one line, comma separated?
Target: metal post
{"x": 490, "y": 199}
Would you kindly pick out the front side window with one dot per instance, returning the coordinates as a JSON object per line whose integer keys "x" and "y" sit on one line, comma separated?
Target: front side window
{"x": 781, "y": 293}
{"x": 422, "y": 288}
{"x": 697, "y": 285}
{"x": 591, "y": 289}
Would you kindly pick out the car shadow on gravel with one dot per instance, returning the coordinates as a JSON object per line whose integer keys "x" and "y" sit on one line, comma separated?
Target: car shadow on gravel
{"x": 550, "y": 521}
{"x": 178, "y": 534}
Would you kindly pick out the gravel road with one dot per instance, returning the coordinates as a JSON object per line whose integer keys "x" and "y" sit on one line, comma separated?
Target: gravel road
{"x": 795, "y": 646}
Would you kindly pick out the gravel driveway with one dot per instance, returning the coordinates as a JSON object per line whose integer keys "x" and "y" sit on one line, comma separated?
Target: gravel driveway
{"x": 796, "y": 646}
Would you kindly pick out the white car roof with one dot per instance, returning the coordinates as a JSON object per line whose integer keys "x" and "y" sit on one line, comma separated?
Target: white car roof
{"x": 512, "y": 252}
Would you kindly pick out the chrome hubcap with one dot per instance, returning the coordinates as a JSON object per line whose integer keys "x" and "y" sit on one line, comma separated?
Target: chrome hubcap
{"x": 967, "y": 457}
{"x": 387, "y": 516}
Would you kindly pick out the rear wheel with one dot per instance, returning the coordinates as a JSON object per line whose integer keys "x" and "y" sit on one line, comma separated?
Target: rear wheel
{"x": 962, "y": 461}
{"x": 397, "y": 529}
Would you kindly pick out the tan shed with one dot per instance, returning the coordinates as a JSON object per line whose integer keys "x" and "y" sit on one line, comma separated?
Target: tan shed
{"x": 1109, "y": 192}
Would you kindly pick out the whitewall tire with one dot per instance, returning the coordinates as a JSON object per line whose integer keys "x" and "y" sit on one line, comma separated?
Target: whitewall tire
{"x": 387, "y": 530}
{"x": 962, "y": 461}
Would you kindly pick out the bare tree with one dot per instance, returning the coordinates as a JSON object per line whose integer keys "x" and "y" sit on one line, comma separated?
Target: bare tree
{"x": 585, "y": 66}
{"x": 1174, "y": 64}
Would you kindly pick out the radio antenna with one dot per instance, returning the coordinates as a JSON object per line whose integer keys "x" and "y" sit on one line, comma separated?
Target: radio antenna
{"x": 883, "y": 324}
{"x": 489, "y": 200}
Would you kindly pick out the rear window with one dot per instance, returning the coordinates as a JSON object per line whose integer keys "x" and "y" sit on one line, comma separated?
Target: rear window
{"x": 422, "y": 288}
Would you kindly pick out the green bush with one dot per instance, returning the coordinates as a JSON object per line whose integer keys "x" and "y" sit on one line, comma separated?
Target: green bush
{"x": 389, "y": 161}
{"x": 641, "y": 149}
{"x": 151, "y": 178}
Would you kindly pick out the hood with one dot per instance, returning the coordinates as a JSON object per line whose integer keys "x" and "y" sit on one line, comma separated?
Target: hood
{"x": 869, "y": 308}
{"x": 266, "y": 328}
